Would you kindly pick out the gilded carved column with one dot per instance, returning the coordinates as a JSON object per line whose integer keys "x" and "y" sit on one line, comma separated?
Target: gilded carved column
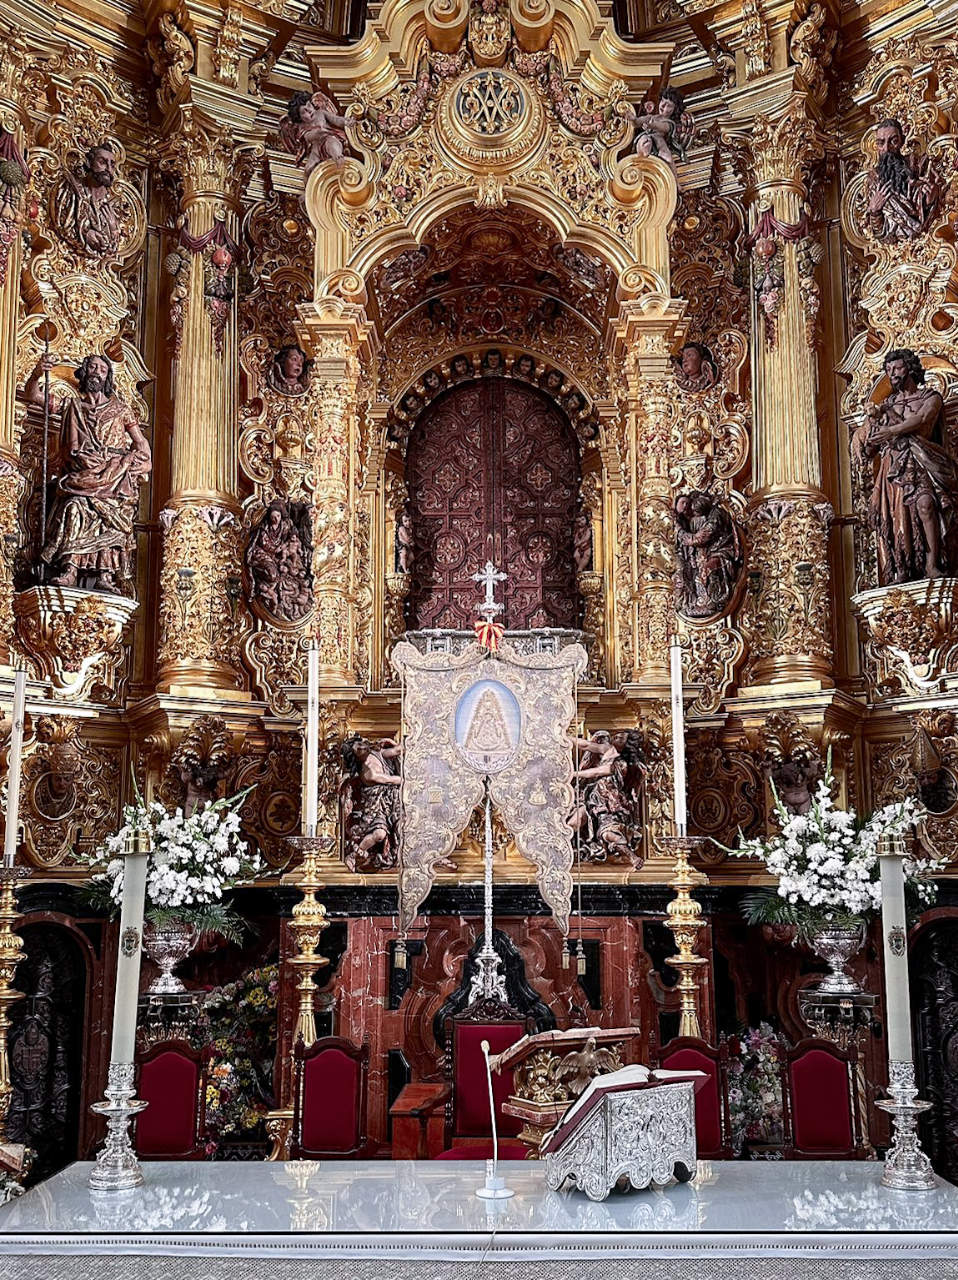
{"x": 645, "y": 341}
{"x": 787, "y": 608}
{"x": 201, "y": 609}
{"x": 14, "y": 179}
{"x": 334, "y": 343}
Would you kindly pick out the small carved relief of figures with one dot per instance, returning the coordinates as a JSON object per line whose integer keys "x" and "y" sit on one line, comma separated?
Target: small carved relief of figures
{"x": 582, "y": 542}
{"x": 915, "y": 480}
{"x": 314, "y": 130}
{"x": 289, "y": 371}
{"x": 86, "y": 215}
{"x": 607, "y": 819}
{"x": 902, "y": 193}
{"x": 201, "y": 761}
{"x": 663, "y": 128}
{"x": 279, "y": 560}
{"x": 369, "y": 799}
{"x": 695, "y": 367}
{"x": 104, "y": 459}
{"x": 709, "y": 555}
{"x": 405, "y": 550}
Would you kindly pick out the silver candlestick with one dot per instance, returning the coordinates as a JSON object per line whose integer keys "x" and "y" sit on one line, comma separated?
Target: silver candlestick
{"x": 907, "y": 1167}
{"x": 117, "y": 1168}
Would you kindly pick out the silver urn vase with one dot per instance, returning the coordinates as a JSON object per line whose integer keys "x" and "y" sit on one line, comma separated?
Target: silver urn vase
{"x": 167, "y": 945}
{"x": 836, "y": 945}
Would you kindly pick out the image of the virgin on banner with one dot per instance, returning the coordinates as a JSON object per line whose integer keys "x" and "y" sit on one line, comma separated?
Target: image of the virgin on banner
{"x": 474, "y": 716}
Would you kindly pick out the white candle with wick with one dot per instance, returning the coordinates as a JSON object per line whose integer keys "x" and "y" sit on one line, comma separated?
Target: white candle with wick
{"x": 311, "y": 809}
{"x": 13, "y": 772}
{"x": 678, "y": 736}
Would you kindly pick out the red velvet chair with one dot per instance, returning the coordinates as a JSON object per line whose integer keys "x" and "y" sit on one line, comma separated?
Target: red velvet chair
{"x": 329, "y": 1099}
{"x": 173, "y": 1082}
{"x": 713, "y": 1124}
{"x": 822, "y": 1116}
{"x": 470, "y": 1132}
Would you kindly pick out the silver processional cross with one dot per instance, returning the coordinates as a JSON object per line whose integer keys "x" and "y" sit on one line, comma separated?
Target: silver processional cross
{"x": 489, "y": 981}
{"x": 488, "y": 577}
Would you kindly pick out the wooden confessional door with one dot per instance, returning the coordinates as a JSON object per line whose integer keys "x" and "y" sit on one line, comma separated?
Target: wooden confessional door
{"x": 493, "y": 473}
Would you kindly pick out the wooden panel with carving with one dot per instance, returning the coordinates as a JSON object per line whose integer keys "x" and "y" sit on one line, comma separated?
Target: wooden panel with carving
{"x": 493, "y": 471}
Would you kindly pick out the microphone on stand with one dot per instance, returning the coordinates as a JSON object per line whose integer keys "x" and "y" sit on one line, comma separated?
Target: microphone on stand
{"x": 495, "y": 1188}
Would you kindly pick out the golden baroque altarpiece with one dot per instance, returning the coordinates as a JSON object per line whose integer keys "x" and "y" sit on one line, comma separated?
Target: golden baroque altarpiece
{"x": 281, "y": 311}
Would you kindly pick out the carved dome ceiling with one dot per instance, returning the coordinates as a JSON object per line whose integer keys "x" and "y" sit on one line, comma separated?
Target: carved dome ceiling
{"x": 511, "y": 250}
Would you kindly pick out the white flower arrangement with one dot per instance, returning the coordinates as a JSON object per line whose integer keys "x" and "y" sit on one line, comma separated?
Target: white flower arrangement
{"x": 826, "y": 862}
{"x": 193, "y": 862}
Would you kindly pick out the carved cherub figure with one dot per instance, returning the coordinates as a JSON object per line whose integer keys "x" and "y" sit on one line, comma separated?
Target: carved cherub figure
{"x": 695, "y": 367}
{"x": 289, "y": 370}
{"x": 663, "y": 128}
{"x": 316, "y": 130}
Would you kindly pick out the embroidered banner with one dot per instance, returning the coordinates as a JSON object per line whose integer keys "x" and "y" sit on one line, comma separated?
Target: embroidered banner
{"x": 504, "y": 716}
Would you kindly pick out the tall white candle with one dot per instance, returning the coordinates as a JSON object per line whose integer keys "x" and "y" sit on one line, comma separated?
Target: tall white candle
{"x": 891, "y": 850}
{"x": 311, "y": 808}
{"x": 127, "y": 992}
{"x": 678, "y": 736}
{"x": 13, "y": 772}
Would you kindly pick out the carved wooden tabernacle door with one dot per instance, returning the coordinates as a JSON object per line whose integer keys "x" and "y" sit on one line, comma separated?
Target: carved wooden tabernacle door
{"x": 493, "y": 471}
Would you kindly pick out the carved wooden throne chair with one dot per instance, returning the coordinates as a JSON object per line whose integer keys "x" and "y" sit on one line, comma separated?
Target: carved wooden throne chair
{"x": 449, "y": 1119}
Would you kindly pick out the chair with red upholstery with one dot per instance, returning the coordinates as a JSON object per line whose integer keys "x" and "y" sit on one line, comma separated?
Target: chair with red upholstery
{"x": 469, "y": 1135}
{"x": 173, "y": 1082}
{"x": 330, "y": 1085}
{"x": 820, "y": 1102}
{"x": 713, "y": 1125}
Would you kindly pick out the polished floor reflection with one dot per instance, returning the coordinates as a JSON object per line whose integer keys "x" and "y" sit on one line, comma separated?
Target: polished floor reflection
{"x": 352, "y": 1203}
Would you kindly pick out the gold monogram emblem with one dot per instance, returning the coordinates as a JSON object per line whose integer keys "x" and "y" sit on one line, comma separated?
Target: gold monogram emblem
{"x": 490, "y": 103}
{"x": 130, "y": 942}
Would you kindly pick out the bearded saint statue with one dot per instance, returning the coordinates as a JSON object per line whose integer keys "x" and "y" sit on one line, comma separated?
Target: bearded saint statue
{"x": 104, "y": 459}
{"x": 902, "y": 193}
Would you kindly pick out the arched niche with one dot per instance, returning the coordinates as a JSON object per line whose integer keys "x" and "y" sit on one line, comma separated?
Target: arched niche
{"x": 492, "y": 471}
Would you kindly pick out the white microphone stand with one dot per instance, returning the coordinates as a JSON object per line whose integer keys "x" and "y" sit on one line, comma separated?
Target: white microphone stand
{"x": 495, "y": 1188}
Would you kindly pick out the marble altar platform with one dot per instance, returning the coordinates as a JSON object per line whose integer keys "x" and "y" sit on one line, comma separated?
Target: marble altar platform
{"x": 423, "y": 1221}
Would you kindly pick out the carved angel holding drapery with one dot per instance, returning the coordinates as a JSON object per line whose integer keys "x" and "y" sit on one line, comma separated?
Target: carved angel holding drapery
{"x": 607, "y": 819}
{"x": 369, "y": 802}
